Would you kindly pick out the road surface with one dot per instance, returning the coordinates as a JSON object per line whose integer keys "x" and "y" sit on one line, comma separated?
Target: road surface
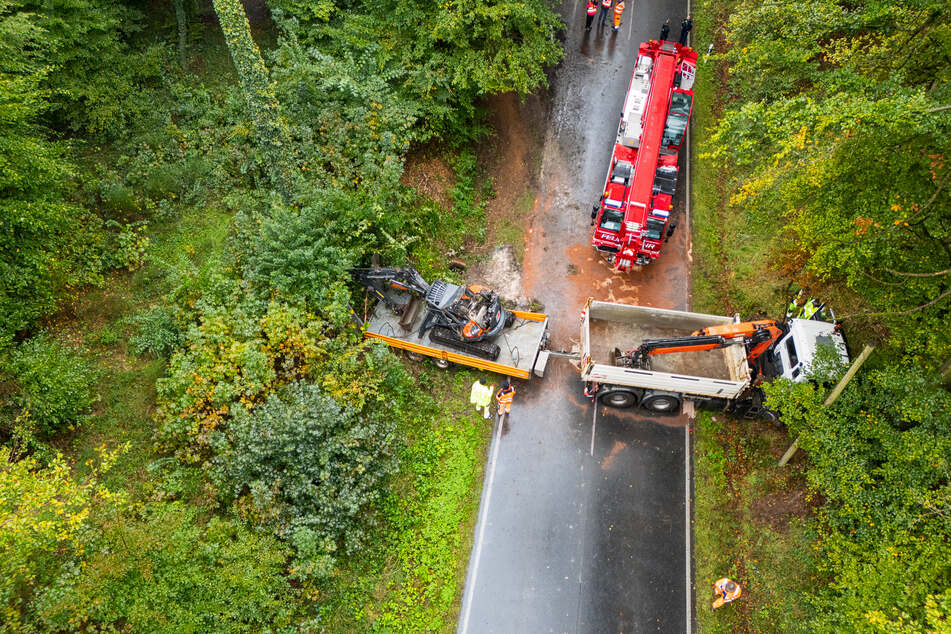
{"x": 583, "y": 513}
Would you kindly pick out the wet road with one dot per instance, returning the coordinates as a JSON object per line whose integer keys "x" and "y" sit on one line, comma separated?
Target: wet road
{"x": 583, "y": 514}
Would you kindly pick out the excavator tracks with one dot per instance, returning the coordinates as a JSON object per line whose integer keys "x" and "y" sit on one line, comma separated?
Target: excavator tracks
{"x": 484, "y": 349}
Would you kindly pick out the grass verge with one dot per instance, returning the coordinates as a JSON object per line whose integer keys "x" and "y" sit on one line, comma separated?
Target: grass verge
{"x": 752, "y": 524}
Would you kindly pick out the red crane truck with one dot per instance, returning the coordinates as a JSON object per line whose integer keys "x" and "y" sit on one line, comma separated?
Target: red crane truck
{"x": 632, "y": 218}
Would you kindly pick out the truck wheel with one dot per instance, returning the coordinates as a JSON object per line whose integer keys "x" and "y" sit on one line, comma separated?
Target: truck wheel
{"x": 414, "y": 356}
{"x": 441, "y": 363}
{"x": 661, "y": 403}
{"x": 618, "y": 399}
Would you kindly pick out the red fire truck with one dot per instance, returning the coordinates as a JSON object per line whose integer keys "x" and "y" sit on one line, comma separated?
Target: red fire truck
{"x": 632, "y": 218}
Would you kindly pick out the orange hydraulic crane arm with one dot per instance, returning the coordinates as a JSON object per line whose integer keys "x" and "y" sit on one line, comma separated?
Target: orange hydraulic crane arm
{"x": 759, "y": 336}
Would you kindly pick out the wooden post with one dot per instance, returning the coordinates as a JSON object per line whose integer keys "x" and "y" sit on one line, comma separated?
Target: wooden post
{"x": 834, "y": 394}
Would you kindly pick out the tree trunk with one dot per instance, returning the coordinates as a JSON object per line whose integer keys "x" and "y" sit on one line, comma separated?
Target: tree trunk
{"x": 182, "y": 19}
{"x": 262, "y": 102}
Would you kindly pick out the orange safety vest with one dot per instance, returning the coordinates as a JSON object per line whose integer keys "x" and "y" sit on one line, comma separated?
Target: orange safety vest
{"x": 592, "y": 8}
{"x": 720, "y": 588}
{"x": 619, "y": 8}
{"x": 606, "y": 4}
{"x": 505, "y": 396}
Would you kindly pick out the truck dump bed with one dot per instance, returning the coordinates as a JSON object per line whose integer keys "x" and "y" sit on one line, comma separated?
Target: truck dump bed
{"x": 717, "y": 373}
{"x": 520, "y": 343}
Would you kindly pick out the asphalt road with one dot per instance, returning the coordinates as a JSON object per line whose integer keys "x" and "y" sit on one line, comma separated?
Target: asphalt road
{"x": 582, "y": 524}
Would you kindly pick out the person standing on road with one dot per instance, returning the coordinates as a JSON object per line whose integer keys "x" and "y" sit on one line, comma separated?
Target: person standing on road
{"x": 618, "y": 10}
{"x": 505, "y": 396}
{"x": 591, "y": 9}
{"x": 605, "y": 9}
{"x": 665, "y": 30}
{"x": 685, "y": 27}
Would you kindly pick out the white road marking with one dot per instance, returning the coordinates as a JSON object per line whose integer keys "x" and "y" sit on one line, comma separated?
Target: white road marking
{"x": 594, "y": 424}
{"x": 483, "y": 516}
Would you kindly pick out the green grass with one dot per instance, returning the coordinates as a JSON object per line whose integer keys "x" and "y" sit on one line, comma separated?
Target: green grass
{"x": 751, "y": 523}
{"x": 731, "y": 252}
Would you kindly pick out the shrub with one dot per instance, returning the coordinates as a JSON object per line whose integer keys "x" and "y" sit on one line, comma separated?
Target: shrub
{"x": 308, "y": 466}
{"x": 164, "y": 571}
{"x": 41, "y": 513}
{"x": 157, "y": 332}
{"x": 55, "y": 385}
{"x": 232, "y": 360}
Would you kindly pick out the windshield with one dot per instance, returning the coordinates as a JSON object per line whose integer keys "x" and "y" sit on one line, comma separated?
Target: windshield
{"x": 653, "y": 229}
{"x": 677, "y": 119}
{"x": 611, "y": 220}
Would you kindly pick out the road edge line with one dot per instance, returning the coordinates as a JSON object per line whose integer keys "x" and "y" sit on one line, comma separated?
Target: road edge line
{"x": 483, "y": 515}
{"x": 687, "y": 287}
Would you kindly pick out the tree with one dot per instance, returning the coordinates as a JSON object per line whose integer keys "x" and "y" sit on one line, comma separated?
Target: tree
{"x": 880, "y": 461}
{"x": 841, "y": 134}
{"x": 263, "y": 106}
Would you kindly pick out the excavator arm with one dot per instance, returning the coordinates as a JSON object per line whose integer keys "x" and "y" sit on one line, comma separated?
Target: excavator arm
{"x": 383, "y": 279}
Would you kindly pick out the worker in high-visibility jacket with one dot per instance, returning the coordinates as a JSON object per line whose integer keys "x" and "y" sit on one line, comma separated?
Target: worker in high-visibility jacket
{"x": 605, "y": 9}
{"x": 505, "y": 396}
{"x": 481, "y": 396}
{"x": 727, "y": 591}
{"x": 591, "y": 9}
{"x": 809, "y": 309}
{"x": 618, "y": 10}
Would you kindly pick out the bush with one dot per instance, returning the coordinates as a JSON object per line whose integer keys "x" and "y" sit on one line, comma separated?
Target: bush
{"x": 233, "y": 359}
{"x": 308, "y": 466}
{"x": 55, "y": 385}
{"x": 164, "y": 571}
{"x": 157, "y": 332}
{"x": 41, "y": 513}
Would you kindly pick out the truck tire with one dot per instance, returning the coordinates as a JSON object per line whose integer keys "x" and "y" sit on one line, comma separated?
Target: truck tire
{"x": 413, "y": 356}
{"x": 661, "y": 403}
{"x": 441, "y": 363}
{"x": 618, "y": 398}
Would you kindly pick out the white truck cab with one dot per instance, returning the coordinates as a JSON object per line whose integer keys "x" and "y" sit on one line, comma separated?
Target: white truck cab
{"x": 796, "y": 351}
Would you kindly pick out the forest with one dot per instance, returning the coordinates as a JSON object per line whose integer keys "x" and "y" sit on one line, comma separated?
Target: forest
{"x": 824, "y": 166}
{"x": 184, "y": 185}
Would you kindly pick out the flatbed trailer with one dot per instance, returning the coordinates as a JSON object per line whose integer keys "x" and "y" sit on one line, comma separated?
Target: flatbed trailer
{"x": 523, "y": 344}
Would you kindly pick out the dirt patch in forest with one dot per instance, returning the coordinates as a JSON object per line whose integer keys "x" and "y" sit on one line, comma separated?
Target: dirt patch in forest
{"x": 778, "y": 508}
{"x": 511, "y": 157}
{"x": 430, "y": 175}
{"x": 501, "y": 273}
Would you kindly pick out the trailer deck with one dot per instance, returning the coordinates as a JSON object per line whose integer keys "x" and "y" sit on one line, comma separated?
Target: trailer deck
{"x": 520, "y": 343}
